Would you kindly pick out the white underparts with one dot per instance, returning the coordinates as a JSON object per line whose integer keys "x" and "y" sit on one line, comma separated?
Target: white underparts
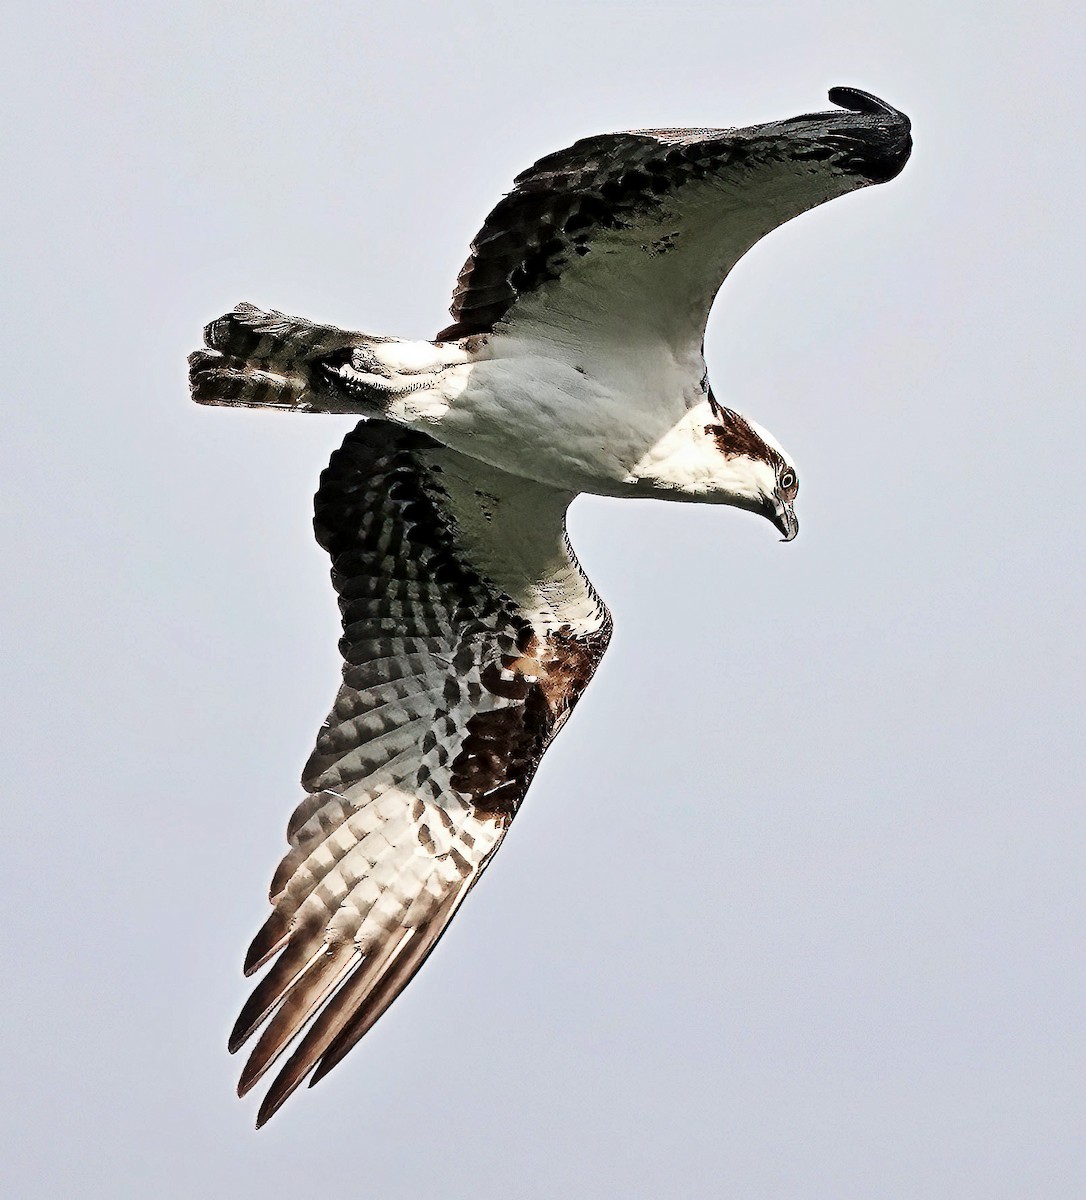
{"x": 629, "y": 421}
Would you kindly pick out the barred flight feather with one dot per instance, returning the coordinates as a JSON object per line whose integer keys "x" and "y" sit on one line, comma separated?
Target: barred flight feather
{"x": 454, "y": 683}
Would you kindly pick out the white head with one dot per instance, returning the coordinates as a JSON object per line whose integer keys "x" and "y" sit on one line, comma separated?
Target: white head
{"x": 714, "y": 455}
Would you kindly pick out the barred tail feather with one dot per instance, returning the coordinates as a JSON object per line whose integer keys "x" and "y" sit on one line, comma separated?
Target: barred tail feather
{"x": 218, "y": 380}
{"x": 258, "y": 359}
{"x": 275, "y": 340}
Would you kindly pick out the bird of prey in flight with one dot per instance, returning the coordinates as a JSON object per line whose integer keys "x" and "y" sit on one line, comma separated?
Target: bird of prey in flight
{"x": 573, "y": 364}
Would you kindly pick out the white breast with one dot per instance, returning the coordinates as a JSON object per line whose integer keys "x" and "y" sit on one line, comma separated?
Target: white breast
{"x": 571, "y": 415}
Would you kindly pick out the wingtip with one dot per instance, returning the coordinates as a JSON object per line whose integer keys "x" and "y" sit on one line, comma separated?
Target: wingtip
{"x": 284, "y": 1086}
{"x": 269, "y": 1106}
{"x": 240, "y": 1032}
{"x": 270, "y": 939}
{"x": 250, "y": 1074}
{"x": 249, "y": 1019}
{"x": 858, "y": 101}
{"x": 324, "y": 1065}
{"x": 256, "y": 1066}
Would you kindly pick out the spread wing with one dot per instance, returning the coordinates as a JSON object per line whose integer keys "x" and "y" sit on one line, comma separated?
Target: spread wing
{"x": 635, "y": 232}
{"x": 469, "y": 632}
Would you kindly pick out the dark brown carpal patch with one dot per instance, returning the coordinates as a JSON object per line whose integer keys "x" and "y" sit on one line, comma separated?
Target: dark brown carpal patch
{"x": 735, "y": 436}
{"x": 503, "y": 747}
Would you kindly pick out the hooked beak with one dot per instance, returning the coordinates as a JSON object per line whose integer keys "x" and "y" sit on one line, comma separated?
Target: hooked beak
{"x": 780, "y": 512}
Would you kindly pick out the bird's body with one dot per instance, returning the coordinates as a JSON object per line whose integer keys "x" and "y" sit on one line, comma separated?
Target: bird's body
{"x": 574, "y": 364}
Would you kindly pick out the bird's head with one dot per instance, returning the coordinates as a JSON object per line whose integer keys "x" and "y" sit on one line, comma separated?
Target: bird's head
{"x": 752, "y": 469}
{"x": 715, "y": 456}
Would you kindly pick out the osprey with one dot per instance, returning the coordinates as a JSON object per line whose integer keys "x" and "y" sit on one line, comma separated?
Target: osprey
{"x": 573, "y": 364}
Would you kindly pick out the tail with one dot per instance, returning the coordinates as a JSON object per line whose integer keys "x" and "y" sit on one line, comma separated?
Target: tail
{"x": 257, "y": 359}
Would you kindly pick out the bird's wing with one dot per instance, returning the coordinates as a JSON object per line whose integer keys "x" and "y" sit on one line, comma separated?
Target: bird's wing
{"x": 469, "y": 633}
{"x": 632, "y": 234}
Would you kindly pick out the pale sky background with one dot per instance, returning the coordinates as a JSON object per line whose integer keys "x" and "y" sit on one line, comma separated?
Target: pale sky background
{"x": 795, "y": 908}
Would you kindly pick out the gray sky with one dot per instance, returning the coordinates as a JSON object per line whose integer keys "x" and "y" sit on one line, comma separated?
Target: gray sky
{"x": 840, "y": 952}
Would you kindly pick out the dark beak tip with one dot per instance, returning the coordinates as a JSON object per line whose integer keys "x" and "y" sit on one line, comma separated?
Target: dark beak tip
{"x": 788, "y": 524}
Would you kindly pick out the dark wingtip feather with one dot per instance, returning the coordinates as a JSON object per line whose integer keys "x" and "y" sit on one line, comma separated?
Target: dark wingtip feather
{"x": 269, "y": 991}
{"x": 271, "y": 937}
{"x": 866, "y": 103}
{"x": 329, "y": 1023}
{"x": 303, "y": 998}
{"x": 268, "y": 1109}
{"x": 386, "y": 988}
